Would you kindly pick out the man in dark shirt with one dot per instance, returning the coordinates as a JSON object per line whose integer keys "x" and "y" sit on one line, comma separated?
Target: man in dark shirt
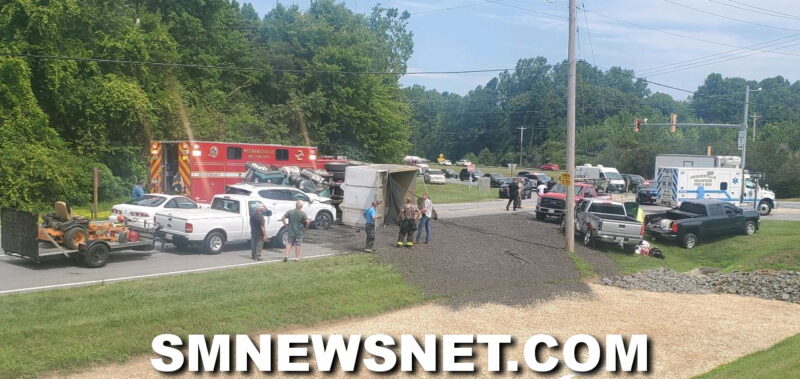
{"x": 511, "y": 191}
{"x": 258, "y": 231}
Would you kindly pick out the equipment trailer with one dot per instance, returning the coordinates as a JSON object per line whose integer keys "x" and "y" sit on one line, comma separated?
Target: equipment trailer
{"x": 20, "y": 238}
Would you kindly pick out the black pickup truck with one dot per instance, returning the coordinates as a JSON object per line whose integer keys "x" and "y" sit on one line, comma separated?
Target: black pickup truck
{"x": 698, "y": 219}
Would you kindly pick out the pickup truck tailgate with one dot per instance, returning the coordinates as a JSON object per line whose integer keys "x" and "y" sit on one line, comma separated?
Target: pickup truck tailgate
{"x": 621, "y": 226}
{"x": 170, "y": 223}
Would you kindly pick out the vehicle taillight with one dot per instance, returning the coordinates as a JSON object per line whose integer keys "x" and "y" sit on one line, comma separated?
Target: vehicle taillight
{"x": 673, "y": 227}
{"x": 189, "y": 228}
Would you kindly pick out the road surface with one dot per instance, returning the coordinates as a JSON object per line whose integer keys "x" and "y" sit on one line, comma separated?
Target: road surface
{"x": 18, "y": 275}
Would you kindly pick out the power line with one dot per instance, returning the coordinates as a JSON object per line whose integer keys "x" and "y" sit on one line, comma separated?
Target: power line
{"x": 765, "y": 9}
{"x": 667, "y": 71}
{"x": 682, "y": 35}
{"x": 703, "y": 58}
{"x": 527, "y": 9}
{"x": 450, "y": 8}
{"x": 730, "y": 18}
{"x": 755, "y": 10}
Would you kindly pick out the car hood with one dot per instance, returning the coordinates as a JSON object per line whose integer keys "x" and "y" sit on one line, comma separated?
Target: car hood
{"x": 126, "y": 209}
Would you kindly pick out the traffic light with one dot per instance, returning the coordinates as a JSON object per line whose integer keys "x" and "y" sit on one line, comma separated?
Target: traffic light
{"x": 637, "y": 125}
{"x": 673, "y": 128}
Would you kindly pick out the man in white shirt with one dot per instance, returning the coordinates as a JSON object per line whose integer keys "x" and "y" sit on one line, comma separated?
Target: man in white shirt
{"x": 425, "y": 221}
{"x": 541, "y": 188}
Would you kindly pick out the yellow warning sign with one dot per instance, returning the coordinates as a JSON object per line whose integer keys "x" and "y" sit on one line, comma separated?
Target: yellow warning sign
{"x": 565, "y": 179}
{"x": 440, "y": 159}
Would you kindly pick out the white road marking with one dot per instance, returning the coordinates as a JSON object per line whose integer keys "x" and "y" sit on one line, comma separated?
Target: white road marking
{"x": 151, "y": 275}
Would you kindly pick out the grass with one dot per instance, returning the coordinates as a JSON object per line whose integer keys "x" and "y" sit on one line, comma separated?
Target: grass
{"x": 779, "y": 361}
{"x": 104, "y": 209}
{"x": 775, "y": 246}
{"x": 455, "y": 193}
{"x": 71, "y": 329}
{"x": 585, "y": 269}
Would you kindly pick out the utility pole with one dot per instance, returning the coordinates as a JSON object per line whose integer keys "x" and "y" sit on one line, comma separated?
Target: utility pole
{"x": 743, "y": 139}
{"x": 569, "y": 207}
{"x": 521, "y": 130}
{"x": 755, "y": 117}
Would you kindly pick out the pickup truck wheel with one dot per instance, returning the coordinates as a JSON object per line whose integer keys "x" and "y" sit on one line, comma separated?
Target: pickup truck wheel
{"x": 689, "y": 240}
{"x": 540, "y": 216}
{"x": 324, "y": 220}
{"x": 96, "y": 256}
{"x": 588, "y": 238}
{"x": 764, "y": 208}
{"x": 214, "y": 242}
{"x": 749, "y": 228}
{"x": 281, "y": 239}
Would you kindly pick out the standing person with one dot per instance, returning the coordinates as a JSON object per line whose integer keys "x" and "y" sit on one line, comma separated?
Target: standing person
{"x": 297, "y": 223}
{"x": 370, "y": 214}
{"x": 137, "y": 193}
{"x": 258, "y": 231}
{"x": 425, "y": 221}
{"x": 541, "y": 188}
{"x": 520, "y": 193}
{"x": 408, "y": 218}
{"x": 511, "y": 191}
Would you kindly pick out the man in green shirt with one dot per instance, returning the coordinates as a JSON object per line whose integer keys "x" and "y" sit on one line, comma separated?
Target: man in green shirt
{"x": 296, "y": 223}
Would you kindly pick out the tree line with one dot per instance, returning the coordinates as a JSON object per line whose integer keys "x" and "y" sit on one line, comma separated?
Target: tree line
{"x": 80, "y": 88}
{"x": 483, "y": 124}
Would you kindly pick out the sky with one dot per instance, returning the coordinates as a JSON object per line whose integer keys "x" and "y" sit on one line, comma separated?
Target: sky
{"x": 664, "y": 41}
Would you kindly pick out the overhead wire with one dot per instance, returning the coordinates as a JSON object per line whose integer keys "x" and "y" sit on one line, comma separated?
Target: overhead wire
{"x": 754, "y": 10}
{"x": 730, "y": 18}
{"x": 765, "y": 9}
{"x": 451, "y": 8}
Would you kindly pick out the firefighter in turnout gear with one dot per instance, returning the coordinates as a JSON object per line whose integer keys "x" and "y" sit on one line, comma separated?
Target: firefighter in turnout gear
{"x": 408, "y": 223}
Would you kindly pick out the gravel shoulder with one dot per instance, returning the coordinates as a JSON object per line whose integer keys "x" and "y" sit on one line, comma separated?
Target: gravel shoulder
{"x": 506, "y": 258}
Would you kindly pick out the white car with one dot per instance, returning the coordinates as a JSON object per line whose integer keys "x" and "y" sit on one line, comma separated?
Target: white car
{"x": 141, "y": 213}
{"x": 434, "y": 176}
{"x": 447, "y": 162}
{"x": 463, "y": 162}
{"x": 280, "y": 199}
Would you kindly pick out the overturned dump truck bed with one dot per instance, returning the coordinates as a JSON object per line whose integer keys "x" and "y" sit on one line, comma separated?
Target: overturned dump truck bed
{"x": 20, "y": 238}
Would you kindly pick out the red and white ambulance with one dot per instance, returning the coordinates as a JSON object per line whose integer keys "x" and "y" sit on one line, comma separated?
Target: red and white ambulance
{"x": 202, "y": 169}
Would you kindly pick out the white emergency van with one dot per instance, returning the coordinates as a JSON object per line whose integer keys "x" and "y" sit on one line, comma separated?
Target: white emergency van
{"x": 614, "y": 183}
{"x": 676, "y": 184}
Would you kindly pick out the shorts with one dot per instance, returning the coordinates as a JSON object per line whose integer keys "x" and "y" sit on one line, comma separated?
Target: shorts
{"x": 295, "y": 241}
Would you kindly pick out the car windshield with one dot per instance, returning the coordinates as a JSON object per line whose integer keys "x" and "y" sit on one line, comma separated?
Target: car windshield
{"x": 613, "y": 175}
{"x": 560, "y": 188}
{"x": 150, "y": 201}
{"x": 435, "y": 172}
{"x": 652, "y": 186}
{"x": 614, "y": 209}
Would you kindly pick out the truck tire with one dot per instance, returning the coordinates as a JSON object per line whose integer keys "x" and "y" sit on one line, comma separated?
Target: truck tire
{"x": 588, "y": 237}
{"x": 75, "y": 237}
{"x": 689, "y": 240}
{"x": 324, "y": 220}
{"x": 764, "y": 208}
{"x": 281, "y": 239}
{"x": 96, "y": 256}
{"x": 540, "y": 216}
{"x": 214, "y": 242}
{"x": 749, "y": 228}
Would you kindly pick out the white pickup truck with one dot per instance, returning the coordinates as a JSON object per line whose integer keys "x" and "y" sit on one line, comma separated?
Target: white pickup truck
{"x": 227, "y": 220}
{"x": 607, "y": 221}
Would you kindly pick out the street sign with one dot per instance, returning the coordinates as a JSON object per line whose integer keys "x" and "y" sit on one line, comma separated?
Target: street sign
{"x": 742, "y": 136}
{"x": 471, "y": 167}
{"x": 565, "y": 179}
{"x": 440, "y": 159}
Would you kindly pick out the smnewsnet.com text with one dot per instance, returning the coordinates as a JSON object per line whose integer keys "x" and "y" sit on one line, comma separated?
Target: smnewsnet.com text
{"x": 382, "y": 353}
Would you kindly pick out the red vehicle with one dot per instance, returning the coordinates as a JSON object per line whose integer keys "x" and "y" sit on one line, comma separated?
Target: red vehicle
{"x": 552, "y": 203}
{"x": 201, "y": 169}
{"x": 550, "y": 167}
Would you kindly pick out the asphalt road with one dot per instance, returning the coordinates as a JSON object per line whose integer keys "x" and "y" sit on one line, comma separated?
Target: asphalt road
{"x": 18, "y": 275}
